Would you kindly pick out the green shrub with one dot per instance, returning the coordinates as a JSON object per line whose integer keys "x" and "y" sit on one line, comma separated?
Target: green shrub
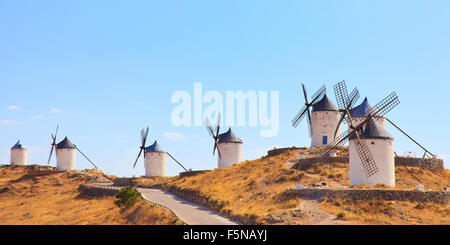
{"x": 252, "y": 216}
{"x": 340, "y": 215}
{"x": 128, "y": 196}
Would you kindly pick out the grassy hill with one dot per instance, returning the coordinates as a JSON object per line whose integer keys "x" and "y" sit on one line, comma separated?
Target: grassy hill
{"x": 255, "y": 189}
{"x": 36, "y": 195}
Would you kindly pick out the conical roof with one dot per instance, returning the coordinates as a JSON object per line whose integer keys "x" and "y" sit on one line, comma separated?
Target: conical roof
{"x": 17, "y": 145}
{"x": 325, "y": 104}
{"x": 154, "y": 148}
{"x": 361, "y": 110}
{"x": 229, "y": 137}
{"x": 65, "y": 144}
{"x": 375, "y": 130}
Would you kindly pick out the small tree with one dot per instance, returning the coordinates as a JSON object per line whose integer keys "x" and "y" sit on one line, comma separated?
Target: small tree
{"x": 128, "y": 196}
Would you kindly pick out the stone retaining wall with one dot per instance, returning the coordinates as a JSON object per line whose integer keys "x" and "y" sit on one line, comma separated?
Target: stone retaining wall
{"x": 124, "y": 181}
{"x": 386, "y": 195}
{"x": 279, "y": 151}
{"x": 192, "y": 173}
{"x": 89, "y": 190}
{"x": 435, "y": 165}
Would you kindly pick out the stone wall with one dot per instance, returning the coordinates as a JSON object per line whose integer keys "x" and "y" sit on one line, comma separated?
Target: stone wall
{"x": 124, "y": 181}
{"x": 435, "y": 165}
{"x": 279, "y": 151}
{"x": 386, "y": 195}
{"x": 192, "y": 173}
{"x": 88, "y": 190}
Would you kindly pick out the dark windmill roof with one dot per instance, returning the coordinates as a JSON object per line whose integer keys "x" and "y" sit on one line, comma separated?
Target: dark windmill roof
{"x": 325, "y": 104}
{"x": 361, "y": 110}
{"x": 375, "y": 130}
{"x": 154, "y": 148}
{"x": 17, "y": 145}
{"x": 65, "y": 144}
{"x": 229, "y": 137}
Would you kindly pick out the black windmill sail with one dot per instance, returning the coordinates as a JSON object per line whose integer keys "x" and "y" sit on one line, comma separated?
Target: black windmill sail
{"x": 214, "y": 132}
{"x": 144, "y": 135}
{"x": 53, "y": 144}
{"x": 356, "y": 131}
{"x": 305, "y": 110}
{"x": 345, "y": 102}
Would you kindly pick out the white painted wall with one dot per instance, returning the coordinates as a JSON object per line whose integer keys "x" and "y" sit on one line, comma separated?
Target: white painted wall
{"x": 65, "y": 159}
{"x": 231, "y": 153}
{"x": 155, "y": 164}
{"x": 19, "y": 156}
{"x": 323, "y": 123}
{"x": 383, "y": 154}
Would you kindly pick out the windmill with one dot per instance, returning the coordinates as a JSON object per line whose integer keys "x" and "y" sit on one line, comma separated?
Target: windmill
{"x": 361, "y": 113}
{"x": 154, "y": 157}
{"x": 322, "y": 118}
{"x": 65, "y": 153}
{"x": 229, "y": 146}
{"x": 19, "y": 154}
{"x": 356, "y": 133}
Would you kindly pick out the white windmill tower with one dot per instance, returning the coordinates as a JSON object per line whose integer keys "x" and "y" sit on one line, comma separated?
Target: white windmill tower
{"x": 371, "y": 150}
{"x": 381, "y": 145}
{"x": 322, "y": 120}
{"x": 19, "y": 155}
{"x": 155, "y": 158}
{"x": 65, "y": 153}
{"x": 229, "y": 146}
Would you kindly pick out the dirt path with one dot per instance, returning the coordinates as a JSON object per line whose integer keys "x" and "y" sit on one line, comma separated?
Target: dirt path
{"x": 312, "y": 214}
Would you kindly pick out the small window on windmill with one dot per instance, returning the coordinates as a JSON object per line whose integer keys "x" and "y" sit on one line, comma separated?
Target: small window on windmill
{"x": 373, "y": 143}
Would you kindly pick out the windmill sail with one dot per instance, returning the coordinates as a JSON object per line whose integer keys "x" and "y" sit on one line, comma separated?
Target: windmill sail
{"x": 144, "y": 135}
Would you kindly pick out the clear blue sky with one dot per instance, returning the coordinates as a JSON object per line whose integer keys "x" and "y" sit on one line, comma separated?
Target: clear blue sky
{"x": 102, "y": 70}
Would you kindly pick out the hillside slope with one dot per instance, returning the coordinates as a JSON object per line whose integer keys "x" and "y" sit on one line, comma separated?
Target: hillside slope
{"x": 254, "y": 189}
{"x": 36, "y": 195}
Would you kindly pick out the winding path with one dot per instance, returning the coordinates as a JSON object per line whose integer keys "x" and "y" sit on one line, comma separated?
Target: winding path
{"x": 189, "y": 212}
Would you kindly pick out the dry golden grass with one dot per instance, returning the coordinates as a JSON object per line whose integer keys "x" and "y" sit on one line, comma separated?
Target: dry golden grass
{"x": 376, "y": 212}
{"x": 255, "y": 188}
{"x": 252, "y": 187}
{"x": 28, "y": 197}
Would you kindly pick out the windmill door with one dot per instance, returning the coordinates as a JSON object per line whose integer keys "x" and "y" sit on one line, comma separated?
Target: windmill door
{"x": 324, "y": 140}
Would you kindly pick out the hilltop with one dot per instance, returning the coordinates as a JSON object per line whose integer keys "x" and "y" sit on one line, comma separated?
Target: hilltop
{"x": 254, "y": 192}
{"x": 38, "y": 195}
